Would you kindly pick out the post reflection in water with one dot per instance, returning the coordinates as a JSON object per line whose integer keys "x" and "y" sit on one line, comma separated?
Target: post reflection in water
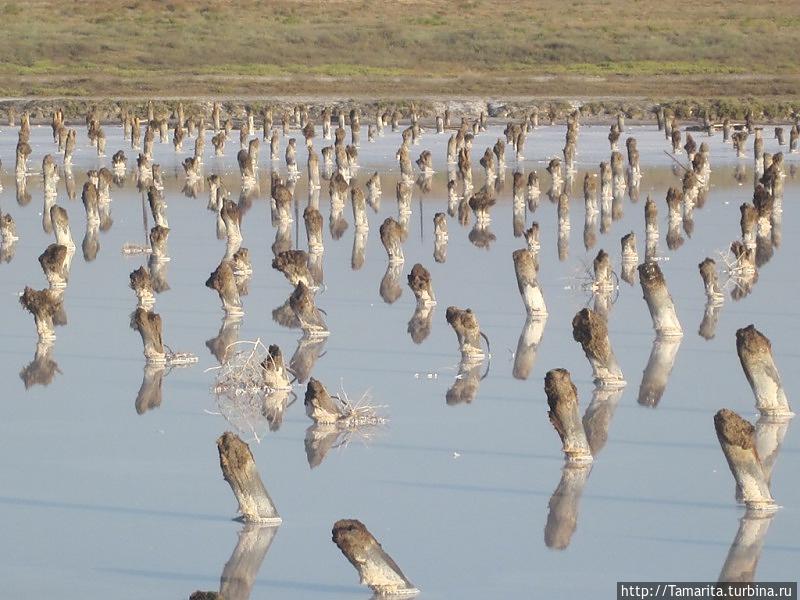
{"x": 745, "y": 551}
{"x": 149, "y": 396}
{"x": 562, "y": 510}
{"x": 43, "y": 368}
{"x": 467, "y": 382}
{"x": 658, "y": 369}
{"x": 240, "y": 572}
{"x": 527, "y": 346}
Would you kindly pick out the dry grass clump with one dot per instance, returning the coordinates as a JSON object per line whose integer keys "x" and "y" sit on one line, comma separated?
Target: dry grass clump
{"x": 359, "y": 413}
{"x": 250, "y": 405}
{"x": 735, "y": 267}
{"x": 242, "y": 396}
{"x": 242, "y": 374}
{"x": 582, "y": 279}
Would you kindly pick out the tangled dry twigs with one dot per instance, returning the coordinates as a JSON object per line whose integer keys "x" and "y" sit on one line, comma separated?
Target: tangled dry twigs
{"x": 359, "y": 413}
{"x": 242, "y": 373}
{"x": 250, "y": 405}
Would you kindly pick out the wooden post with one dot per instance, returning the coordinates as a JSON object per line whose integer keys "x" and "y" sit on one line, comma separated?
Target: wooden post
{"x": 526, "y": 269}
{"x": 562, "y": 398}
{"x": 148, "y": 324}
{"x": 43, "y": 306}
{"x": 419, "y": 280}
{"x": 302, "y": 304}
{"x": 591, "y": 331}
{"x": 375, "y": 567}
{"x": 468, "y": 332}
{"x": 294, "y": 266}
{"x": 659, "y": 302}
{"x": 60, "y": 223}
{"x": 736, "y": 437}
{"x": 320, "y": 407}
{"x": 55, "y": 264}
{"x": 223, "y": 281}
{"x": 755, "y": 354}
{"x": 158, "y": 243}
{"x": 239, "y": 470}
{"x": 708, "y": 272}
{"x": 275, "y": 374}
{"x": 142, "y": 286}
{"x": 392, "y": 236}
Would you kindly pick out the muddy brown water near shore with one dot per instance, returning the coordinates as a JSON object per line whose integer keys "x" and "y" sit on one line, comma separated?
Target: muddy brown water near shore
{"x": 100, "y": 501}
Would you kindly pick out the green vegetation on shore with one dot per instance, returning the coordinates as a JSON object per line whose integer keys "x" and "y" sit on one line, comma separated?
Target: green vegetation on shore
{"x": 599, "y": 47}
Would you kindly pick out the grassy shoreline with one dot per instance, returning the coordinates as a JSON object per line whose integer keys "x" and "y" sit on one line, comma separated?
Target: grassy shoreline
{"x": 413, "y": 48}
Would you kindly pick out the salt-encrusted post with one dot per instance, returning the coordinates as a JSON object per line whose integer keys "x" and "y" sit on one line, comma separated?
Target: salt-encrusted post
{"x": 375, "y": 567}
{"x": 755, "y": 354}
{"x": 562, "y": 398}
{"x": 737, "y": 439}
{"x": 659, "y": 302}
{"x": 239, "y": 470}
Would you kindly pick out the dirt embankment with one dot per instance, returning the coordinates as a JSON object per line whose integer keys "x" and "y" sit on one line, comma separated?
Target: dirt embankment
{"x": 597, "y": 109}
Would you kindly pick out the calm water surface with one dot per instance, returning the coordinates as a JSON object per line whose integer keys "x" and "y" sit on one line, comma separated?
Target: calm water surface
{"x": 99, "y": 501}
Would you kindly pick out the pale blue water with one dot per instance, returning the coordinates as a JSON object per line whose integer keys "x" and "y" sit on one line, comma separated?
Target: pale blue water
{"x": 99, "y": 501}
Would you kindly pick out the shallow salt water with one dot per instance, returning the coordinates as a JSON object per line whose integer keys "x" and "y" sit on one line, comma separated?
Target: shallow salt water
{"x": 100, "y": 501}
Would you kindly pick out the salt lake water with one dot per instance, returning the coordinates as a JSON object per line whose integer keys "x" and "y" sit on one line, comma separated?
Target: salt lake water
{"x": 106, "y": 498}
